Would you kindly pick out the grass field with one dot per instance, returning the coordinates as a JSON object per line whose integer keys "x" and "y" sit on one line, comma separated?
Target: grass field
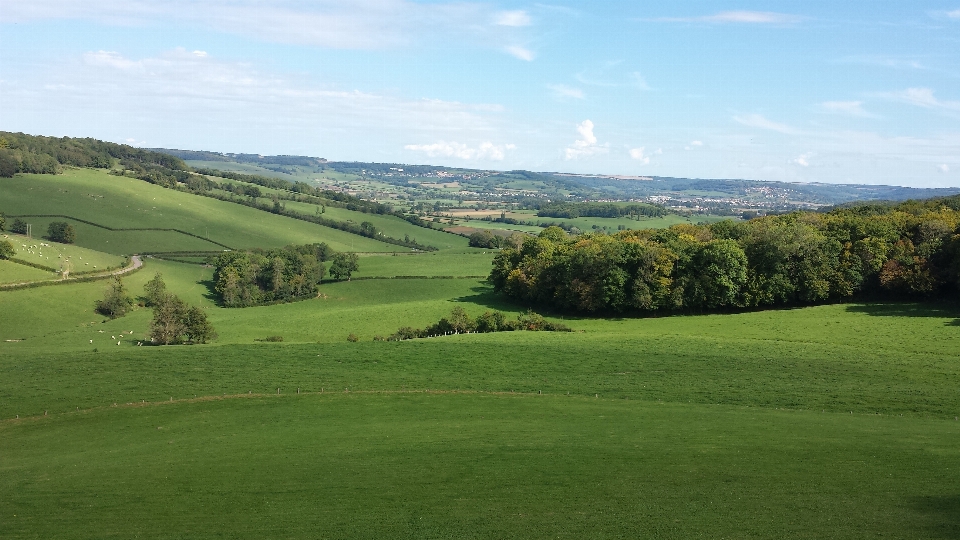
{"x": 474, "y": 466}
{"x": 125, "y": 202}
{"x": 835, "y": 421}
{"x": 464, "y": 262}
{"x": 11, "y": 272}
{"x": 61, "y": 256}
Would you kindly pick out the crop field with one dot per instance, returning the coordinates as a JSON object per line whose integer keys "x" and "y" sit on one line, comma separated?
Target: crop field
{"x": 119, "y": 202}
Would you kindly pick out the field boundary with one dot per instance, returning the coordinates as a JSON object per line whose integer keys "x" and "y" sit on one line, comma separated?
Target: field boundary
{"x": 118, "y": 229}
{"x": 135, "y": 264}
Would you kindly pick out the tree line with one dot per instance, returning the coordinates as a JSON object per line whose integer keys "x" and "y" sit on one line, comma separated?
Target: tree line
{"x": 24, "y": 153}
{"x": 907, "y": 250}
{"x": 258, "y": 276}
{"x": 573, "y": 210}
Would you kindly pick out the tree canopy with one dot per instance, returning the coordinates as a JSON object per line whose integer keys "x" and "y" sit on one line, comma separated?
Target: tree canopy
{"x": 907, "y": 250}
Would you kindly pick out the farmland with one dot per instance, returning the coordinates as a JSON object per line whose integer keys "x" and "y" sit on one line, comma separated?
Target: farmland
{"x": 830, "y": 421}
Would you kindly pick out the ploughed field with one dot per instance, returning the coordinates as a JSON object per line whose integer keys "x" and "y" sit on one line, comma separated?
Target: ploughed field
{"x": 835, "y": 421}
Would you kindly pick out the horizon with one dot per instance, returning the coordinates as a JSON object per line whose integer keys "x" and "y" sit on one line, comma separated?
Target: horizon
{"x": 813, "y": 92}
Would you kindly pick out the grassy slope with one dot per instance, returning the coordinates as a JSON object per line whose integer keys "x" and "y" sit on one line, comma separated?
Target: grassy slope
{"x": 463, "y": 262}
{"x": 474, "y": 466}
{"x": 124, "y": 202}
{"x": 11, "y": 272}
{"x": 54, "y": 255}
{"x": 389, "y": 225}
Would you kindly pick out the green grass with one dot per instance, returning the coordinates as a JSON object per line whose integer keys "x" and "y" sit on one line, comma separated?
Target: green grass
{"x": 834, "y": 421}
{"x": 464, "y": 262}
{"x": 11, "y": 272}
{"x": 389, "y": 225}
{"x": 62, "y": 256}
{"x": 474, "y": 466}
{"x": 120, "y": 202}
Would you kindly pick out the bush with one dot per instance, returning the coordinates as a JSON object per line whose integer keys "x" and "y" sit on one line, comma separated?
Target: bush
{"x": 175, "y": 322}
{"x": 273, "y": 339}
{"x": 61, "y": 231}
{"x": 116, "y": 302}
{"x": 19, "y": 226}
{"x": 352, "y": 338}
{"x": 6, "y": 249}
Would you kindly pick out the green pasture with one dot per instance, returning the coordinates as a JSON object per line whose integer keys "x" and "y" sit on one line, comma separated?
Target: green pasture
{"x": 349, "y": 465}
{"x": 60, "y": 256}
{"x": 11, "y": 272}
{"x": 835, "y": 421}
{"x": 467, "y": 262}
{"x": 389, "y": 225}
{"x": 120, "y": 202}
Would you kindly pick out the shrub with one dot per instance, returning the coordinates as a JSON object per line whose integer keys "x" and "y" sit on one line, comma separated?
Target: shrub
{"x": 116, "y": 302}
{"x": 6, "y": 249}
{"x": 352, "y": 338}
{"x": 273, "y": 339}
{"x": 61, "y": 231}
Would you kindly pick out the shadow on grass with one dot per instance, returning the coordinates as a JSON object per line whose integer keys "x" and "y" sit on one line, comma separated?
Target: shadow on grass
{"x": 941, "y": 513}
{"x": 211, "y": 292}
{"x": 941, "y": 310}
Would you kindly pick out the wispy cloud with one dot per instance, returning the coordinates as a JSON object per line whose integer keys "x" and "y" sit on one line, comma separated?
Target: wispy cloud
{"x": 739, "y": 17}
{"x": 922, "y": 97}
{"x": 848, "y": 108}
{"x": 955, "y": 14}
{"x": 512, "y": 18}
{"x": 227, "y": 98}
{"x": 563, "y": 91}
{"x": 335, "y": 24}
{"x": 521, "y": 53}
{"x": 586, "y": 145}
{"x": 484, "y": 151}
{"x": 758, "y": 121}
{"x": 943, "y": 168}
{"x": 895, "y": 62}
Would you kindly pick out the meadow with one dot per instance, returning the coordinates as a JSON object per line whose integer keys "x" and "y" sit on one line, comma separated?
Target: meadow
{"x": 127, "y": 203}
{"x": 833, "y": 421}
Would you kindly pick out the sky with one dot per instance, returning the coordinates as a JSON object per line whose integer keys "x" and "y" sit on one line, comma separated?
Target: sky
{"x": 812, "y": 91}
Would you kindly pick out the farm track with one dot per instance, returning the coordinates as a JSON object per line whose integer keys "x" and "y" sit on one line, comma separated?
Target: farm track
{"x": 135, "y": 264}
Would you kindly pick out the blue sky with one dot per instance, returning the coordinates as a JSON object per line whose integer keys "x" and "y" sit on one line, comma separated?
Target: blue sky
{"x": 862, "y": 92}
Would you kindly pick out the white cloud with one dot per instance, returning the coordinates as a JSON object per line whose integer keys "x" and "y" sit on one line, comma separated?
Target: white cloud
{"x": 485, "y": 150}
{"x": 639, "y": 155}
{"x": 802, "y": 159}
{"x": 586, "y": 145}
{"x": 563, "y": 91}
{"x": 922, "y": 97}
{"x": 512, "y": 18}
{"x": 758, "y": 121}
{"x": 849, "y": 108}
{"x": 740, "y": 17}
{"x": 943, "y": 167}
{"x": 520, "y": 52}
{"x": 696, "y": 143}
{"x": 955, "y": 14}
